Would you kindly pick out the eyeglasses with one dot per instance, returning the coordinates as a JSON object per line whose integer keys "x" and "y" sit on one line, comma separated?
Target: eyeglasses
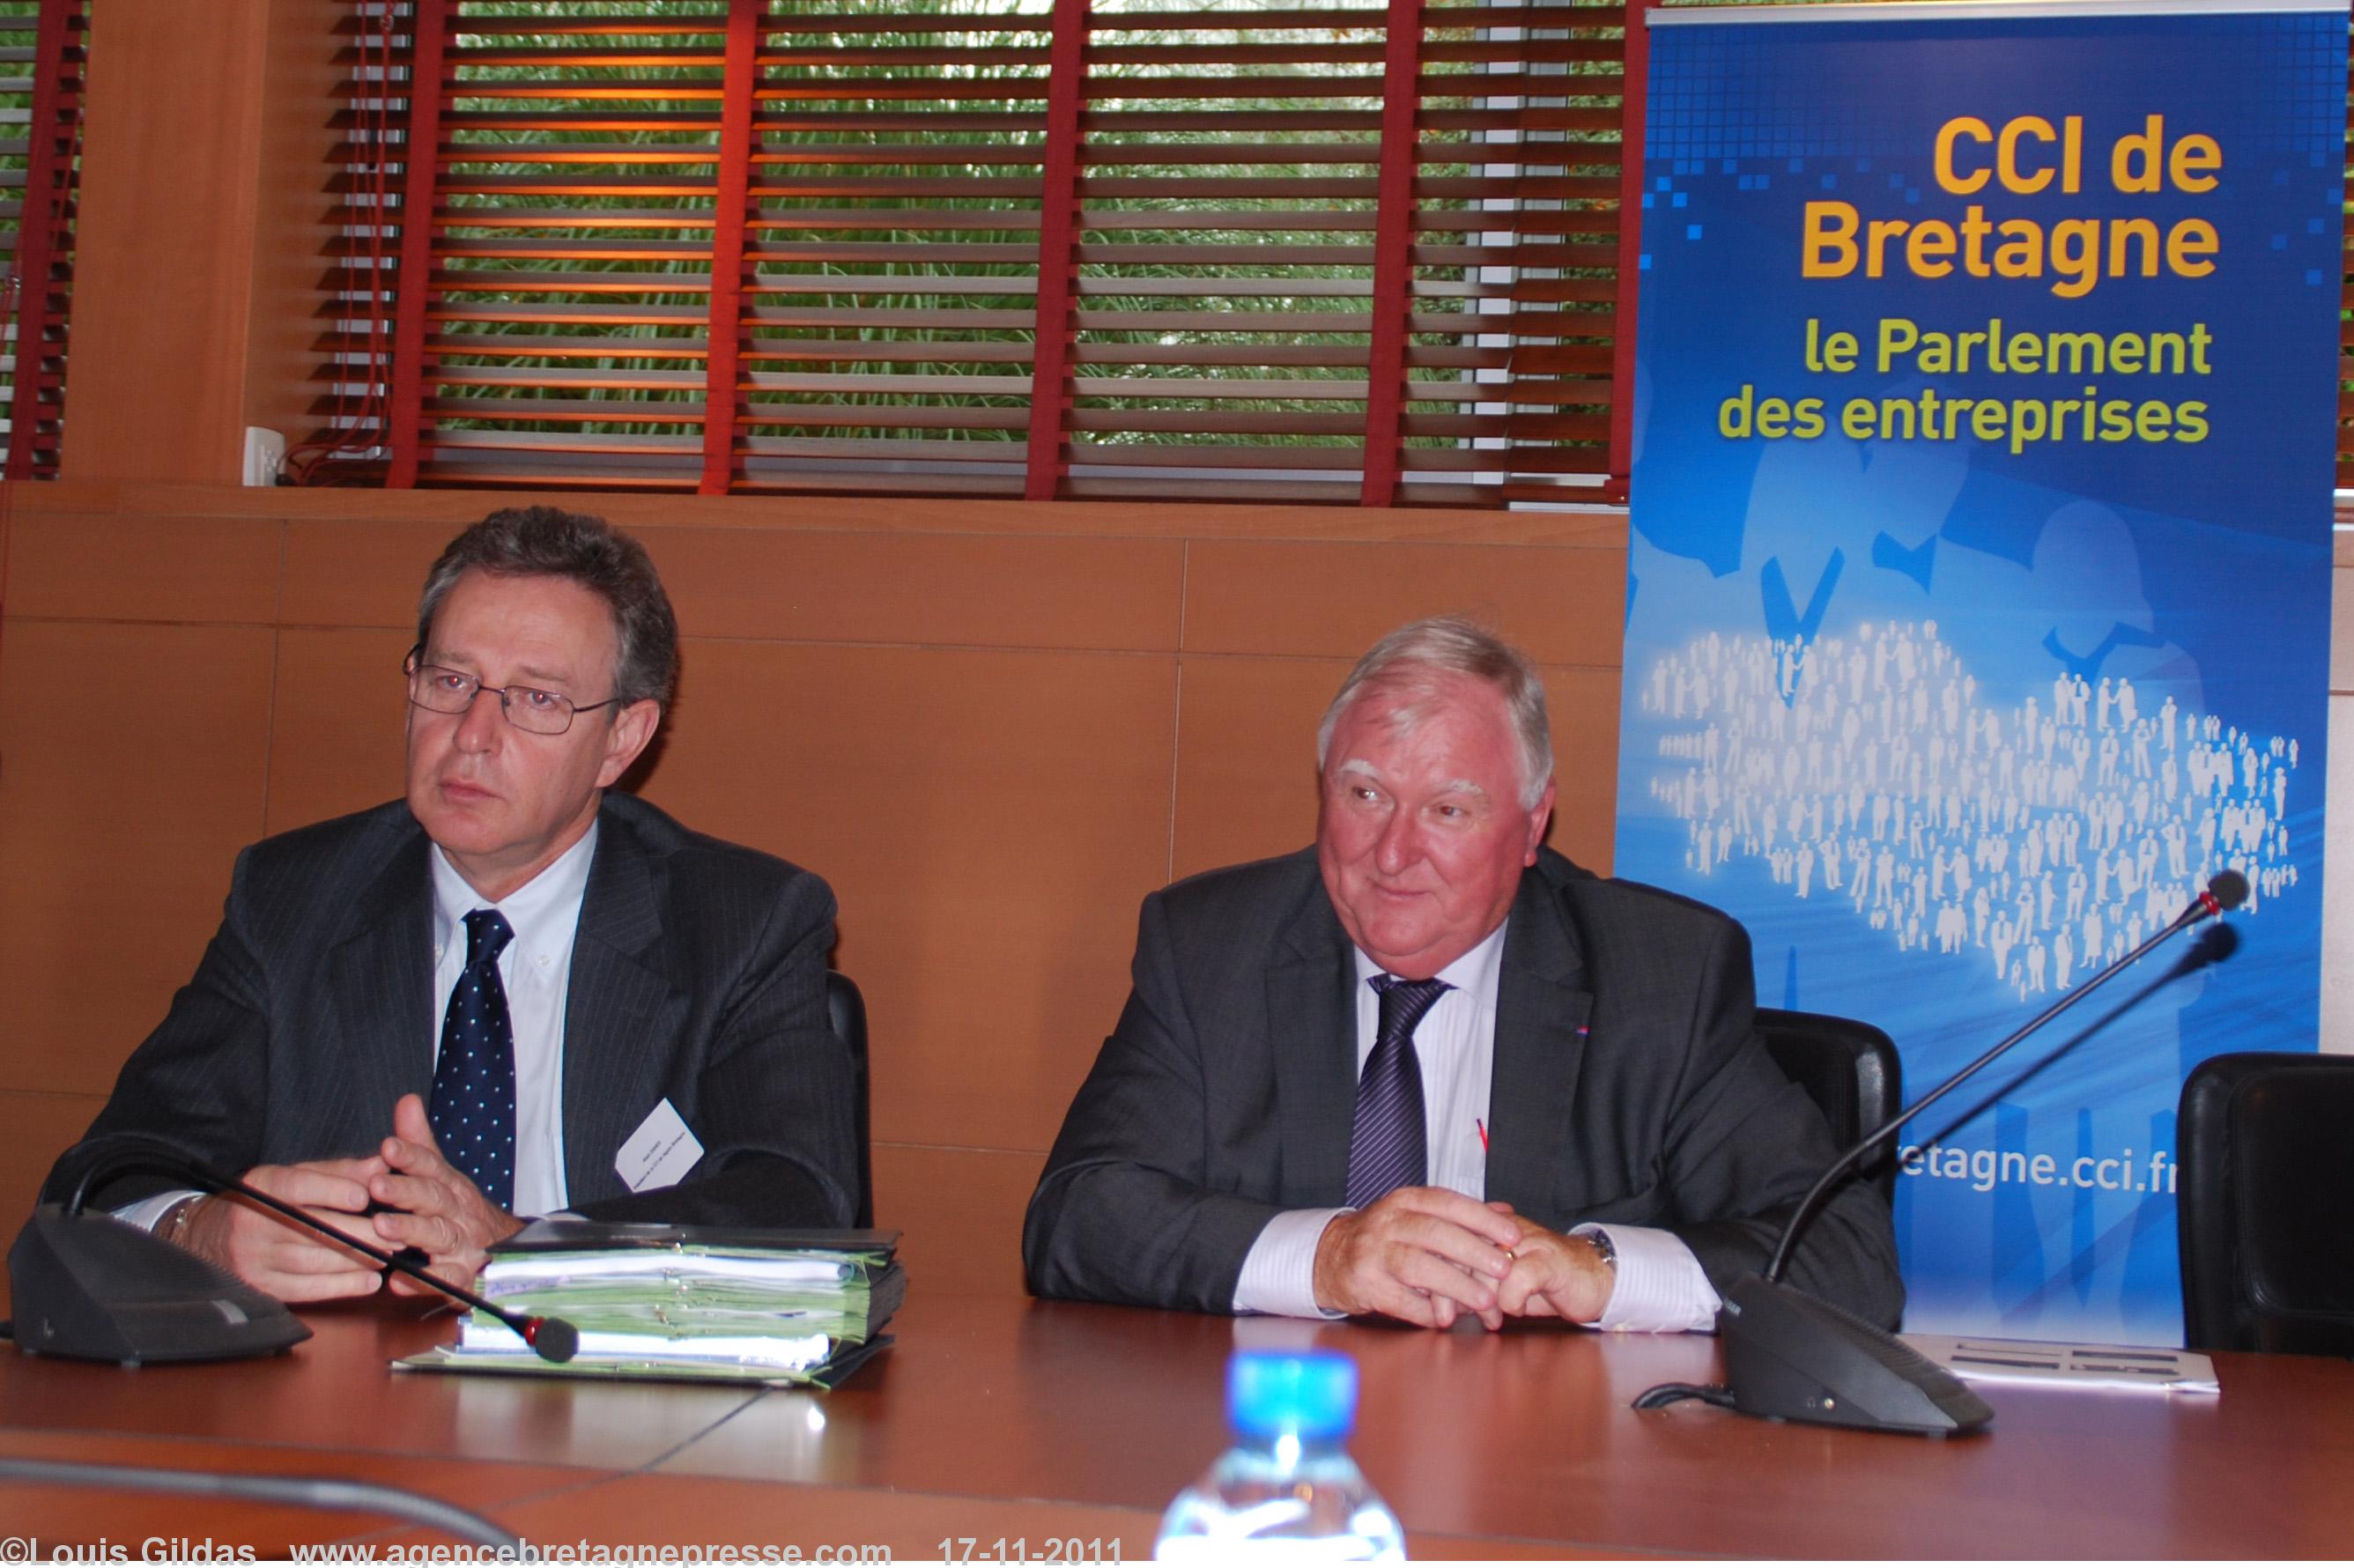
{"x": 442, "y": 690}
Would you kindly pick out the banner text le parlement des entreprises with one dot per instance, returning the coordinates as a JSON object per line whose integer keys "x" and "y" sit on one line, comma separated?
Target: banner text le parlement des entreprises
{"x": 2027, "y": 157}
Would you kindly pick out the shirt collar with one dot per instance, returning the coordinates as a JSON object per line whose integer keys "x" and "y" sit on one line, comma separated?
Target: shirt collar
{"x": 1474, "y": 973}
{"x": 543, "y": 911}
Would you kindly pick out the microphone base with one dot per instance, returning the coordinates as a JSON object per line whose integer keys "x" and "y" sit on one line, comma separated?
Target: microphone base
{"x": 88, "y": 1287}
{"x": 1788, "y": 1357}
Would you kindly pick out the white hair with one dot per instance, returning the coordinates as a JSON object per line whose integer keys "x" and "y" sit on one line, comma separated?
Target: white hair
{"x": 1408, "y": 659}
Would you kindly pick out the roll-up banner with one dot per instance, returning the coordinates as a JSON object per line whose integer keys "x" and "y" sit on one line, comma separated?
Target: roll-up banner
{"x": 1979, "y": 592}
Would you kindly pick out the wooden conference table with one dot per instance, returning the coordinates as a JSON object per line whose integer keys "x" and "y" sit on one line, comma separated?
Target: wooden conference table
{"x": 1002, "y": 1419}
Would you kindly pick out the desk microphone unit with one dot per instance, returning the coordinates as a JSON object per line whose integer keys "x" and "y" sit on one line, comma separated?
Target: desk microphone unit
{"x": 1788, "y": 1357}
{"x": 88, "y": 1285}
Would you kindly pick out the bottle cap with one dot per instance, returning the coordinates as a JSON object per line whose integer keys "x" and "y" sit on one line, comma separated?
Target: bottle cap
{"x": 1309, "y": 1394}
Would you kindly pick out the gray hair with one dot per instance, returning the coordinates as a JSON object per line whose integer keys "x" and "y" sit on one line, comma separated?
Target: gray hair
{"x": 1456, "y": 645}
{"x": 544, "y": 542}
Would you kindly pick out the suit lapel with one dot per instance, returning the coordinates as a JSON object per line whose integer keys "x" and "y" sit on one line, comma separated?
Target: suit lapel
{"x": 382, "y": 981}
{"x": 1542, "y": 1007}
{"x": 1312, "y": 1025}
{"x": 617, "y": 1001}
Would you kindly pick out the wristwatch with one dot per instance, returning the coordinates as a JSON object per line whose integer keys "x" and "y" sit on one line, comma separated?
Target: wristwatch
{"x": 1600, "y": 1242}
{"x": 174, "y": 1226}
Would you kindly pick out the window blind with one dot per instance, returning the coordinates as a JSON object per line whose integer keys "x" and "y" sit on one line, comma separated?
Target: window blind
{"x": 44, "y": 48}
{"x": 1020, "y": 248}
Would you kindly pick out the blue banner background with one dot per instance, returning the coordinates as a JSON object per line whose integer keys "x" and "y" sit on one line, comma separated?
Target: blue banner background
{"x": 1870, "y": 684}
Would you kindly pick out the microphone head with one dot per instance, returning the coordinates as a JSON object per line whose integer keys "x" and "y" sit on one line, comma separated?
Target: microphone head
{"x": 2229, "y": 889}
{"x": 555, "y": 1339}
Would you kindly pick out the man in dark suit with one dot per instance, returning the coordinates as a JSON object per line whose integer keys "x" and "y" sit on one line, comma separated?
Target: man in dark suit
{"x": 1430, "y": 1068}
{"x": 509, "y": 993}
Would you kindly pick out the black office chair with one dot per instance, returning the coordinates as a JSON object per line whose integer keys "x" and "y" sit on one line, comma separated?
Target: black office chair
{"x": 1849, "y": 1069}
{"x": 2266, "y": 1203}
{"x": 846, "y": 1011}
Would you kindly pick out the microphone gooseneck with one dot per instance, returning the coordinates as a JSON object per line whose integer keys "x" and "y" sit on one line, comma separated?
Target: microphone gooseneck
{"x": 554, "y": 1339}
{"x": 1790, "y": 1357}
{"x": 2226, "y": 890}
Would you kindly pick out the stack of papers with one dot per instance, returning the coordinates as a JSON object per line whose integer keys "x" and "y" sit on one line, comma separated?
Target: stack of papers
{"x": 2082, "y": 1366}
{"x": 686, "y": 1302}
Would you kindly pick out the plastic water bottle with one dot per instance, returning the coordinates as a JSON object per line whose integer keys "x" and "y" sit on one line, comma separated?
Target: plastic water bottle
{"x": 1286, "y": 1492}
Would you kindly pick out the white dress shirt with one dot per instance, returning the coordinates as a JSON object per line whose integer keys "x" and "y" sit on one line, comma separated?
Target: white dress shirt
{"x": 535, "y": 968}
{"x": 1659, "y": 1286}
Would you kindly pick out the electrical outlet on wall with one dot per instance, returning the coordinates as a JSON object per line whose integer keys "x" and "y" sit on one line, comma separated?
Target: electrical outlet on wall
{"x": 265, "y": 455}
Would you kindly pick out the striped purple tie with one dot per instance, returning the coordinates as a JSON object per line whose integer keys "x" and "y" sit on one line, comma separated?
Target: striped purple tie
{"x": 1385, "y": 1148}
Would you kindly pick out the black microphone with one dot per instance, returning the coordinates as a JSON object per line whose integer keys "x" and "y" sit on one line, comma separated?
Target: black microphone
{"x": 1790, "y": 1357}
{"x": 326, "y": 1493}
{"x": 554, "y": 1339}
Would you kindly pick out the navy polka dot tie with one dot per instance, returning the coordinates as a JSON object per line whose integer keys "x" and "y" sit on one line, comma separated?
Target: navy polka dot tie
{"x": 1386, "y": 1145}
{"x": 474, "y": 1112}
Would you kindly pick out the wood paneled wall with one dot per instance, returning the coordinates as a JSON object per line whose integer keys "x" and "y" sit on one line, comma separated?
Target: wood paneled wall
{"x": 993, "y": 727}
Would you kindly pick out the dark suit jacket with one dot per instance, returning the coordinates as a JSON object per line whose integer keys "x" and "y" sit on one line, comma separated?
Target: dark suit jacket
{"x": 698, "y": 973}
{"x": 1629, "y": 1086}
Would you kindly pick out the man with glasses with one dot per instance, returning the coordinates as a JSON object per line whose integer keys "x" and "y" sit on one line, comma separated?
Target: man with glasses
{"x": 514, "y": 992}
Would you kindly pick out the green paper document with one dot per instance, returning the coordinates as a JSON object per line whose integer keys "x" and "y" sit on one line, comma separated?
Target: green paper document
{"x": 700, "y": 1304}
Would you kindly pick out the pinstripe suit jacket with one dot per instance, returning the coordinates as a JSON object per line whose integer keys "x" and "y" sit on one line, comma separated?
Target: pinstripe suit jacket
{"x": 1628, "y": 1085}
{"x": 698, "y": 975}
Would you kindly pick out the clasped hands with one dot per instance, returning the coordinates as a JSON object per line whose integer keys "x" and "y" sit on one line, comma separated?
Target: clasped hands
{"x": 425, "y": 1202}
{"x": 1428, "y": 1255}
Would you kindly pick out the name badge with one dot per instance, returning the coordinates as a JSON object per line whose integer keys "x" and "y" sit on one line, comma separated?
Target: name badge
{"x": 660, "y": 1153}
